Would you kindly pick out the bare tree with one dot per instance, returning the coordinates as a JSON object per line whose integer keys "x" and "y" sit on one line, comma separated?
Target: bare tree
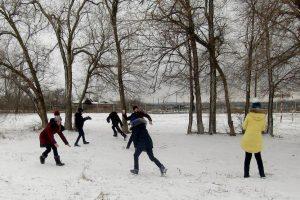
{"x": 65, "y": 23}
{"x": 23, "y": 58}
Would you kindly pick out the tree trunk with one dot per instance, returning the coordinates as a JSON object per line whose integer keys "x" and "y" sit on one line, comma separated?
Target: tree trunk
{"x": 213, "y": 74}
{"x": 42, "y": 111}
{"x": 227, "y": 101}
{"x": 119, "y": 62}
{"x": 249, "y": 64}
{"x": 270, "y": 80}
{"x": 86, "y": 84}
{"x": 68, "y": 97}
{"x": 200, "y": 127}
{"x": 191, "y": 87}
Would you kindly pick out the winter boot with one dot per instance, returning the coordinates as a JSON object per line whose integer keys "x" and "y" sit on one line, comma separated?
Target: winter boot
{"x": 42, "y": 159}
{"x": 85, "y": 142}
{"x": 163, "y": 170}
{"x": 76, "y": 145}
{"x": 58, "y": 162}
{"x": 134, "y": 171}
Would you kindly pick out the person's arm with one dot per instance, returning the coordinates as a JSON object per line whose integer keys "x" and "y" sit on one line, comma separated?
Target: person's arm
{"x": 124, "y": 114}
{"x": 147, "y": 116}
{"x": 108, "y": 118}
{"x": 245, "y": 123}
{"x": 87, "y": 118}
{"x": 264, "y": 126}
{"x": 63, "y": 138}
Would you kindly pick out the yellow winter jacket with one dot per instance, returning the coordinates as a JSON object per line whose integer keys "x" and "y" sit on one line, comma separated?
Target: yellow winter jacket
{"x": 254, "y": 125}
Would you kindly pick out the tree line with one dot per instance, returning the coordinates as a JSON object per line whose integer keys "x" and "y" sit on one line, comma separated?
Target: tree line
{"x": 217, "y": 48}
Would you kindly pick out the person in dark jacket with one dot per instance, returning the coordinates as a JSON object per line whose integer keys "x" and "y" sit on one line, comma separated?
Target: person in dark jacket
{"x": 115, "y": 119}
{"x": 137, "y": 114}
{"x": 79, "y": 122}
{"x": 141, "y": 140}
{"x": 47, "y": 141}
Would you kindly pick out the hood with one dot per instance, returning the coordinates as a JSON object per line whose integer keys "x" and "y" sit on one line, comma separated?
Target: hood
{"x": 257, "y": 116}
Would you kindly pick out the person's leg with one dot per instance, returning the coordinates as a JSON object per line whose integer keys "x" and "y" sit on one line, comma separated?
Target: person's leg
{"x": 45, "y": 154}
{"x": 152, "y": 158}
{"x": 55, "y": 152}
{"x": 260, "y": 164}
{"x": 78, "y": 138}
{"x": 129, "y": 141}
{"x": 47, "y": 151}
{"x": 136, "y": 155}
{"x": 56, "y": 156}
{"x": 83, "y": 137}
{"x": 115, "y": 131}
{"x": 248, "y": 157}
{"x": 121, "y": 132}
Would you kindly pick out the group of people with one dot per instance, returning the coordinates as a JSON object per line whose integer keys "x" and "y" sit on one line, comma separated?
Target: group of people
{"x": 254, "y": 124}
{"x": 140, "y": 135}
{"x": 47, "y": 139}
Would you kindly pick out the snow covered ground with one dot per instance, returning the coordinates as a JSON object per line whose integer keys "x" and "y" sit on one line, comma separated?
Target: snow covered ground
{"x": 199, "y": 166}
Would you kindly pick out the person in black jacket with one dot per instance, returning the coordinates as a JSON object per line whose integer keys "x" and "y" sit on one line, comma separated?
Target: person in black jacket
{"x": 141, "y": 140}
{"x": 137, "y": 113}
{"x": 115, "y": 119}
{"x": 79, "y": 122}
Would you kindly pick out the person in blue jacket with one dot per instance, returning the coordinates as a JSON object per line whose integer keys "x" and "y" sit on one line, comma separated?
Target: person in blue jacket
{"x": 141, "y": 139}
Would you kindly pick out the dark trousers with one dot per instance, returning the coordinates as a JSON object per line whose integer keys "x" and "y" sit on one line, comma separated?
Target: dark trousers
{"x": 138, "y": 152}
{"x": 116, "y": 128}
{"x": 48, "y": 150}
{"x": 130, "y": 141}
{"x": 81, "y": 134}
{"x": 260, "y": 165}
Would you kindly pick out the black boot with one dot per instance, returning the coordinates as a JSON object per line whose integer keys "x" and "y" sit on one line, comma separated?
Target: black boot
{"x": 76, "y": 145}
{"x": 85, "y": 142}
{"x": 42, "y": 159}
{"x": 58, "y": 162}
{"x": 163, "y": 170}
{"x": 134, "y": 171}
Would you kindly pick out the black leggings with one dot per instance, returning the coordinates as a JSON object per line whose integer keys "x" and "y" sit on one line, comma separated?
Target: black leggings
{"x": 149, "y": 151}
{"x": 48, "y": 150}
{"x": 260, "y": 165}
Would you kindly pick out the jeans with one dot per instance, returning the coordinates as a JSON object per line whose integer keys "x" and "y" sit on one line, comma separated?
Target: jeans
{"x": 138, "y": 152}
{"x": 48, "y": 150}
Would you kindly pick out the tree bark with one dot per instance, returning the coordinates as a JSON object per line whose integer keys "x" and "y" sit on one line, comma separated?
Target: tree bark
{"x": 250, "y": 61}
{"x": 213, "y": 74}
{"x": 119, "y": 65}
{"x": 200, "y": 127}
{"x": 270, "y": 79}
{"x": 227, "y": 101}
{"x": 191, "y": 87}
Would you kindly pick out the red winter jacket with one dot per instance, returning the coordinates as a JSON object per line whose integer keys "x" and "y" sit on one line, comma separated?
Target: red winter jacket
{"x": 47, "y": 135}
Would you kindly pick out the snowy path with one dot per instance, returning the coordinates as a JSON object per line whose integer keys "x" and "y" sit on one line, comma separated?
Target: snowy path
{"x": 199, "y": 167}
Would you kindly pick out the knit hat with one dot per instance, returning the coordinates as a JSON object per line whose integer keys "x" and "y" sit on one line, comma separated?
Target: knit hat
{"x": 255, "y": 103}
{"x": 134, "y": 107}
{"x": 56, "y": 113}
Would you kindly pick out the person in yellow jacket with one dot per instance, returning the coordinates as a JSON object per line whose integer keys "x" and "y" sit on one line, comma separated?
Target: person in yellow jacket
{"x": 254, "y": 125}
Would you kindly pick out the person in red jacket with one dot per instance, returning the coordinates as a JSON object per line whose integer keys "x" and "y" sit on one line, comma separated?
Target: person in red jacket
{"x": 47, "y": 140}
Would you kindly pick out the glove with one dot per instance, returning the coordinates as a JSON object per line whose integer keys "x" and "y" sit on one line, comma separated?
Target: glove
{"x": 89, "y": 118}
